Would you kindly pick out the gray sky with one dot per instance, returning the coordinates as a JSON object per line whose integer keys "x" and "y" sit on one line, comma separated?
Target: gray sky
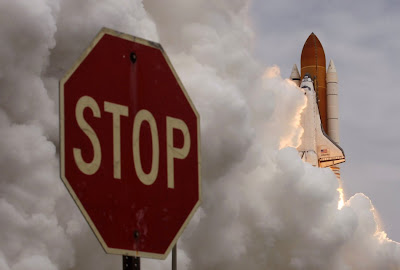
{"x": 362, "y": 38}
{"x": 262, "y": 208}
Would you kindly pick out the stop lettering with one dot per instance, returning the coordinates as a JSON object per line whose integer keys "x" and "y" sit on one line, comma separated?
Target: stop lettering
{"x": 117, "y": 111}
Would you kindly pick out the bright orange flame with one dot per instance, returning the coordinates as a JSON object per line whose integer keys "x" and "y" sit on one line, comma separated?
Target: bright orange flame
{"x": 341, "y": 197}
{"x": 341, "y": 194}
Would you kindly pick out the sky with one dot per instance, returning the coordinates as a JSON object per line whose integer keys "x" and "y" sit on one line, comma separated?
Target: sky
{"x": 362, "y": 38}
{"x": 262, "y": 206}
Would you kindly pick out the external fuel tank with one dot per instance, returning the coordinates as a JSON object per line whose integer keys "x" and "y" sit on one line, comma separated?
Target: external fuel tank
{"x": 313, "y": 62}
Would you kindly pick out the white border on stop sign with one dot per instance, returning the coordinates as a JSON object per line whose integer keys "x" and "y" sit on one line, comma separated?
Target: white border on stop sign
{"x": 108, "y": 250}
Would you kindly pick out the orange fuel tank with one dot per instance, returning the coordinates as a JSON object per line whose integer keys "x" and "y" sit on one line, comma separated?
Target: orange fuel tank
{"x": 313, "y": 62}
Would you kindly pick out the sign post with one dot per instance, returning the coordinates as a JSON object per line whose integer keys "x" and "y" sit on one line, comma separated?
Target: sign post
{"x": 130, "y": 263}
{"x": 130, "y": 146}
{"x": 174, "y": 258}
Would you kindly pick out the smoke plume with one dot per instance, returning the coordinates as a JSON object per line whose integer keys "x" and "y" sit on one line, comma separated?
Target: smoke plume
{"x": 263, "y": 208}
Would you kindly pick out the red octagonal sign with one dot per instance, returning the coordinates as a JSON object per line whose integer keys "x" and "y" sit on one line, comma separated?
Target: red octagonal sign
{"x": 130, "y": 145}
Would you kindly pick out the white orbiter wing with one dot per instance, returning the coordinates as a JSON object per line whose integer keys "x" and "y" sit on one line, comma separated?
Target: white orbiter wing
{"x": 316, "y": 146}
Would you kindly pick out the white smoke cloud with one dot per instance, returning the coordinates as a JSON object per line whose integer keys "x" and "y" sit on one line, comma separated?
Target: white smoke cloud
{"x": 263, "y": 208}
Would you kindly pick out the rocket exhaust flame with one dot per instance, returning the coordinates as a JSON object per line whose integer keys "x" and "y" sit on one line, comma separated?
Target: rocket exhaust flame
{"x": 341, "y": 195}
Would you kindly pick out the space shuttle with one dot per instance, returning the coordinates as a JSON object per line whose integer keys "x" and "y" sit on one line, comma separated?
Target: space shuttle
{"x": 320, "y": 118}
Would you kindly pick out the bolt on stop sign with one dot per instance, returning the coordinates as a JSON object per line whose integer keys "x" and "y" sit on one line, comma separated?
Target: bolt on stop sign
{"x": 130, "y": 145}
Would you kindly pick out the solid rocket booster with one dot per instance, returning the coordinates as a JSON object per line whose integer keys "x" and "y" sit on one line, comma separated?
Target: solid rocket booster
{"x": 333, "y": 102}
{"x": 295, "y": 75}
{"x": 320, "y": 119}
{"x": 332, "y": 92}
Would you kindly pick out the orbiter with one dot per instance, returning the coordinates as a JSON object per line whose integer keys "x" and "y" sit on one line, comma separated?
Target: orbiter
{"x": 320, "y": 119}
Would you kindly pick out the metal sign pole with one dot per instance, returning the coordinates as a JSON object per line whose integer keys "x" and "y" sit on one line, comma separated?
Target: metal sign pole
{"x": 174, "y": 255}
{"x": 130, "y": 263}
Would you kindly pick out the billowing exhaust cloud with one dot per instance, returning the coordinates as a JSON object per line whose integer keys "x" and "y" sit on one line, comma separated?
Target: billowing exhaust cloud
{"x": 263, "y": 208}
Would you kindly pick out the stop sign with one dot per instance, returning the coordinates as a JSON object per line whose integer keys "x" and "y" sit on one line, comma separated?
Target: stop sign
{"x": 129, "y": 137}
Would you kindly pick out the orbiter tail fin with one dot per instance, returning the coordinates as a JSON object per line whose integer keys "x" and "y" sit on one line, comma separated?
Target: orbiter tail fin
{"x": 329, "y": 153}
